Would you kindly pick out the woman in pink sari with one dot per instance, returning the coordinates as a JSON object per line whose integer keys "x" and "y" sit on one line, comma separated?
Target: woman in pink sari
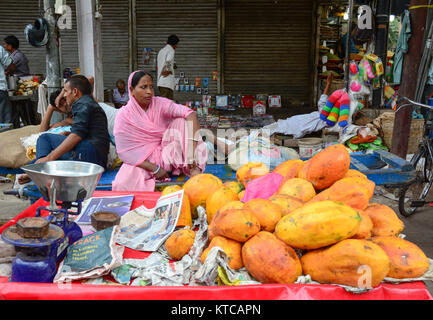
{"x": 155, "y": 137}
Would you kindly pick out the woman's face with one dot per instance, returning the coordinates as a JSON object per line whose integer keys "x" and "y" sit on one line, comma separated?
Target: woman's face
{"x": 144, "y": 91}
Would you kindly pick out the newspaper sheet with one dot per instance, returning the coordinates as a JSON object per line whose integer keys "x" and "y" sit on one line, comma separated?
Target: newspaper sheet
{"x": 146, "y": 229}
{"x": 118, "y": 204}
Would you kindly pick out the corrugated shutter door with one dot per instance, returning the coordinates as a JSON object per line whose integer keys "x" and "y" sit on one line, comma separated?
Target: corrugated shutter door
{"x": 115, "y": 45}
{"x": 195, "y": 23}
{"x": 268, "y": 49}
{"x": 14, "y": 16}
{"x": 69, "y": 42}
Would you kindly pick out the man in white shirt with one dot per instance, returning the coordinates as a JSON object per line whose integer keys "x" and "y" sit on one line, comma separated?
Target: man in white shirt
{"x": 166, "y": 81}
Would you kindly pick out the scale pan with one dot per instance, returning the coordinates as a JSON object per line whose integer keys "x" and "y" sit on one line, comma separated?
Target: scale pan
{"x": 71, "y": 180}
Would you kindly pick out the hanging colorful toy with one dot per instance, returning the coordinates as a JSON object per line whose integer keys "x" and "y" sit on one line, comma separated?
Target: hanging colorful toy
{"x": 332, "y": 100}
{"x": 336, "y": 109}
{"x": 368, "y": 69}
{"x": 344, "y": 110}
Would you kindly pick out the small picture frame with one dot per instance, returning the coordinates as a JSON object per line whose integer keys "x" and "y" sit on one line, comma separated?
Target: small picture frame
{"x": 182, "y": 74}
{"x": 185, "y": 80}
{"x": 222, "y": 101}
{"x": 205, "y": 90}
{"x": 205, "y": 82}
{"x": 199, "y": 90}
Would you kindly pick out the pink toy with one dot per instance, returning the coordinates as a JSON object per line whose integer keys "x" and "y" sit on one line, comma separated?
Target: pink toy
{"x": 370, "y": 73}
{"x": 355, "y": 86}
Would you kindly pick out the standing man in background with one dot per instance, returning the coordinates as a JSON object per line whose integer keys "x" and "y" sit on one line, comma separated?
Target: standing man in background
{"x": 6, "y": 66}
{"x": 11, "y": 44}
{"x": 166, "y": 81}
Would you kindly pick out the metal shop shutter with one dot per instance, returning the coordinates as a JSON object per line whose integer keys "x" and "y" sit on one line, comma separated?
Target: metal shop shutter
{"x": 195, "y": 23}
{"x": 115, "y": 45}
{"x": 267, "y": 49}
{"x": 69, "y": 42}
{"x": 14, "y": 16}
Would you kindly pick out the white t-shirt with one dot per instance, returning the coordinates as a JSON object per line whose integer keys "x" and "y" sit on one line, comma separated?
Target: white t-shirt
{"x": 111, "y": 113}
{"x": 166, "y": 61}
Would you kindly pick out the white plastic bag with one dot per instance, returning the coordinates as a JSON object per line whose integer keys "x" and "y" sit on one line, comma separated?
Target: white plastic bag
{"x": 257, "y": 147}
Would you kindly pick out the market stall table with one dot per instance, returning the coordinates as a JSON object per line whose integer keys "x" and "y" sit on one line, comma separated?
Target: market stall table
{"x": 68, "y": 291}
{"x": 22, "y": 108}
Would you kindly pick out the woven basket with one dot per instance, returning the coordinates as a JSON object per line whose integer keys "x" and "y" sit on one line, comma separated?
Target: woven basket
{"x": 415, "y": 133}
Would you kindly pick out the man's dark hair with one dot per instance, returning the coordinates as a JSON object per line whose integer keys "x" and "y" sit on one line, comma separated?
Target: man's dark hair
{"x": 81, "y": 83}
{"x": 137, "y": 76}
{"x": 173, "y": 39}
{"x": 120, "y": 81}
{"x": 13, "y": 41}
{"x": 53, "y": 97}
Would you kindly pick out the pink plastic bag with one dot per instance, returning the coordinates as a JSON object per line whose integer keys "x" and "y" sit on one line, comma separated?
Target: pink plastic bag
{"x": 263, "y": 187}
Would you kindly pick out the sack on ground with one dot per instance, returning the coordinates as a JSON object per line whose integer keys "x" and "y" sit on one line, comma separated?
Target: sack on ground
{"x": 10, "y": 141}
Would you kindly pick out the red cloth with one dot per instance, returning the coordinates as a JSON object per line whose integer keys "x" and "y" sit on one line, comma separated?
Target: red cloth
{"x": 50, "y": 291}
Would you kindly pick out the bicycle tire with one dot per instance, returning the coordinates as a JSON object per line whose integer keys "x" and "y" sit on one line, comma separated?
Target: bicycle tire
{"x": 417, "y": 189}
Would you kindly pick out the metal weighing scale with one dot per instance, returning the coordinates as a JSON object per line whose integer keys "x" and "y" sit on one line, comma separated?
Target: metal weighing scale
{"x": 42, "y": 242}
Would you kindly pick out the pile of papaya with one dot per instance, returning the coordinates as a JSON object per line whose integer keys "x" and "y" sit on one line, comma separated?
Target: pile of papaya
{"x": 320, "y": 222}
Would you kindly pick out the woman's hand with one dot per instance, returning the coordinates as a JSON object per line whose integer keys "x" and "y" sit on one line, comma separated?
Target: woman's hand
{"x": 161, "y": 174}
{"x": 194, "y": 169}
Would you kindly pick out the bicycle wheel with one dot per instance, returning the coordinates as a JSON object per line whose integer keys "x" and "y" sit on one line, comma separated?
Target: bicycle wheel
{"x": 413, "y": 195}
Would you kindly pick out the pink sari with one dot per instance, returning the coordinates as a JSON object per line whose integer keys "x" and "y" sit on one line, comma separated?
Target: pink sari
{"x": 158, "y": 135}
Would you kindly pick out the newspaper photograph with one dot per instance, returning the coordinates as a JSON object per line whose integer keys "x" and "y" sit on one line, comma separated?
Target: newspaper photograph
{"x": 117, "y": 204}
{"x": 146, "y": 229}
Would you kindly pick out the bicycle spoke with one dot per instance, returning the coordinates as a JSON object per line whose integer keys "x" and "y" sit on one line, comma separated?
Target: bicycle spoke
{"x": 413, "y": 195}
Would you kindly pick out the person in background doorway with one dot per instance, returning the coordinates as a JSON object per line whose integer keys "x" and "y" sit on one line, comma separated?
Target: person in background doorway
{"x": 6, "y": 66}
{"x": 166, "y": 81}
{"x": 343, "y": 40}
{"x": 11, "y": 44}
{"x": 120, "y": 95}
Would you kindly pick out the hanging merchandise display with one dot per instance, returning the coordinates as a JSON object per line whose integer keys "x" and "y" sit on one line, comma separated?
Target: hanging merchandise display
{"x": 259, "y": 108}
{"x": 197, "y": 82}
{"x": 274, "y": 101}
{"x": 338, "y": 109}
{"x": 222, "y": 102}
{"x": 247, "y": 101}
{"x": 235, "y": 100}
